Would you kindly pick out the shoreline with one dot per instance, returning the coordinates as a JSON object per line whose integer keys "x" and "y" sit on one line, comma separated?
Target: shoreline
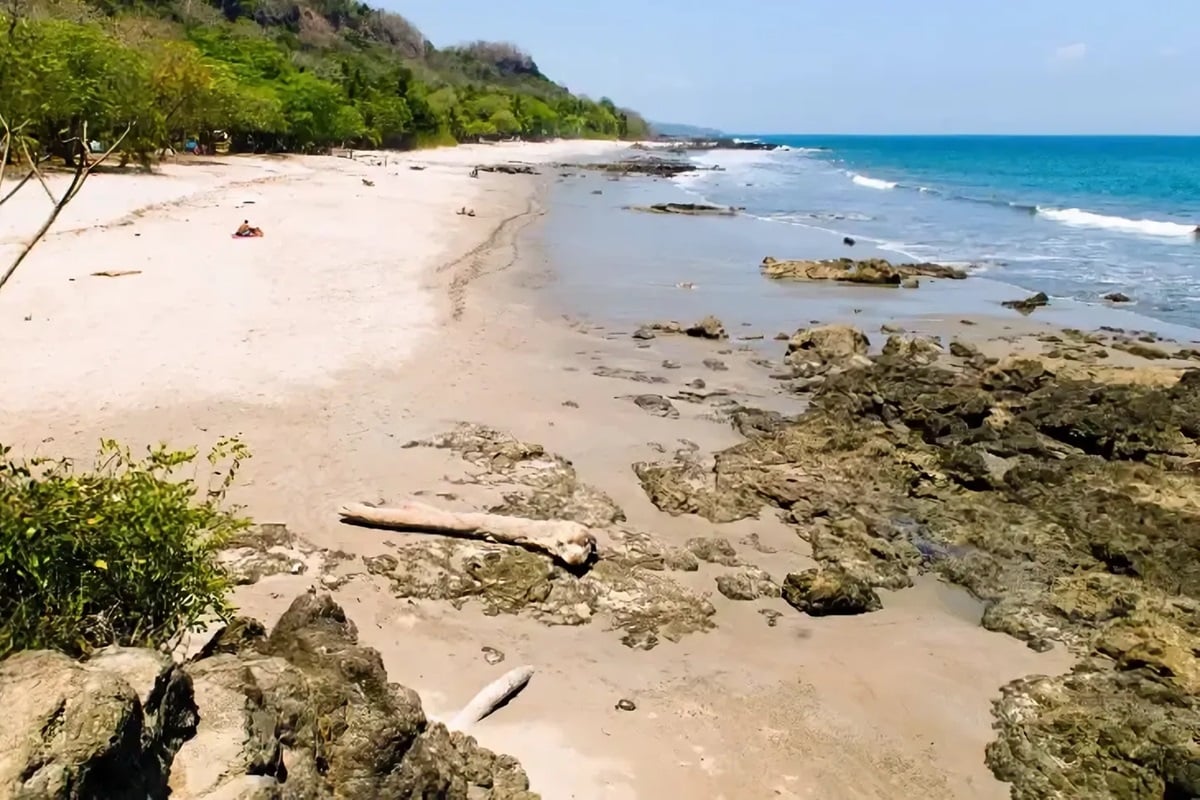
{"x": 785, "y": 705}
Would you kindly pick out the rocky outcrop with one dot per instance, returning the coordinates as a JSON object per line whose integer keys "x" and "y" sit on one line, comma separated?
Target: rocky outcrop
{"x": 871, "y": 271}
{"x": 814, "y": 350}
{"x": 1118, "y": 297}
{"x": 748, "y": 583}
{"x": 648, "y": 165}
{"x": 106, "y": 728}
{"x": 913, "y": 349}
{"x": 1069, "y": 506}
{"x": 508, "y": 169}
{"x": 820, "y": 593}
{"x": 688, "y": 209}
{"x": 708, "y": 328}
{"x": 1029, "y": 304}
{"x": 305, "y": 711}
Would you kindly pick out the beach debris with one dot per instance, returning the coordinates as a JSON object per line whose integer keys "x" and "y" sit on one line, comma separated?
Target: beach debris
{"x": 771, "y": 615}
{"x": 685, "y": 285}
{"x": 491, "y": 697}
{"x": 670, "y": 364}
{"x": 597, "y": 191}
{"x": 569, "y": 542}
{"x": 657, "y": 405}
{"x": 848, "y": 241}
{"x": 708, "y": 328}
{"x": 1118, "y": 297}
{"x": 416, "y": 167}
{"x": 871, "y": 271}
{"x": 625, "y": 704}
{"x": 115, "y": 273}
{"x": 824, "y": 592}
{"x": 367, "y": 182}
{"x": 1028, "y": 305}
{"x": 465, "y": 212}
{"x": 748, "y": 583}
{"x": 491, "y": 655}
{"x": 570, "y": 404}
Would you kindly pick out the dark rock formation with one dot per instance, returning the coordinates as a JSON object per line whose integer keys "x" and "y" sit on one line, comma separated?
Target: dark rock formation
{"x": 649, "y": 165}
{"x": 1069, "y": 506}
{"x": 1118, "y": 297}
{"x": 656, "y": 404}
{"x": 304, "y": 712}
{"x": 821, "y": 593}
{"x": 848, "y": 241}
{"x": 688, "y": 209}
{"x": 708, "y": 328}
{"x": 509, "y": 169}
{"x": 1028, "y": 305}
{"x": 871, "y": 271}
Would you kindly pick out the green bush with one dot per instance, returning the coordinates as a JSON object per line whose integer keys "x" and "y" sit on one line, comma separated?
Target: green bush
{"x": 123, "y": 553}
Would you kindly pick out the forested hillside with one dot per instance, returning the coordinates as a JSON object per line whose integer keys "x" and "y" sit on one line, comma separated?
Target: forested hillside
{"x": 268, "y": 75}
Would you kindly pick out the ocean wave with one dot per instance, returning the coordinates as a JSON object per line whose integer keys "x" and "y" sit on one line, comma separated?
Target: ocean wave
{"x": 1079, "y": 218}
{"x": 872, "y": 183}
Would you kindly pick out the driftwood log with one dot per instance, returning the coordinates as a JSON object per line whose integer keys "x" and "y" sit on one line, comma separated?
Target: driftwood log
{"x": 569, "y": 542}
{"x": 491, "y": 697}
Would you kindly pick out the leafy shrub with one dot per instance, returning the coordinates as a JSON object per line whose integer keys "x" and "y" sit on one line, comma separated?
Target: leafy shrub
{"x": 123, "y": 553}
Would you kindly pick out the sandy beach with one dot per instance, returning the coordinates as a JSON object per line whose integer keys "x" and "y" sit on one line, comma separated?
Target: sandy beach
{"x": 372, "y": 316}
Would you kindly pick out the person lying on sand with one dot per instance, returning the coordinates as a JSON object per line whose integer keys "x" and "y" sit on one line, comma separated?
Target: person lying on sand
{"x": 245, "y": 229}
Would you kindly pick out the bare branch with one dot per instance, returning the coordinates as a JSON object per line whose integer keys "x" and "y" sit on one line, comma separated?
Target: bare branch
{"x": 4, "y": 147}
{"x": 83, "y": 169}
{"x": 33, "y": 170}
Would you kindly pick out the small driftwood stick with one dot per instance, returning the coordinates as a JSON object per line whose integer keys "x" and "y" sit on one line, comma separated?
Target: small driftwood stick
{"x": 569, "y": 542}
{"x": 491, "y": 697}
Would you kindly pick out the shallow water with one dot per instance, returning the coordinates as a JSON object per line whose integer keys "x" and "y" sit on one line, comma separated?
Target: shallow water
{"x": 622, "y": 267}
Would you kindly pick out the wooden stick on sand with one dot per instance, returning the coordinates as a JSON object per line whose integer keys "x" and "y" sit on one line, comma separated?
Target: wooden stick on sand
{"x": 569, "y": 542}
{"x": 491, "y": 697}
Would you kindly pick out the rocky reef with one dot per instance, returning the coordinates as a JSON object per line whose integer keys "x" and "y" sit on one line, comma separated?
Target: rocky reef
{"x": 1069, "y": 505}
{"x": 688, "y": 209}
{"x": 301, "y": 712}
{"x": 871, "y": 271}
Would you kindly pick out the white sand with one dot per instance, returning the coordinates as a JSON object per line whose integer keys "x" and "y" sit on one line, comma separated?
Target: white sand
{"x": 334, "y": 284}
{"x": 369, "y": 316}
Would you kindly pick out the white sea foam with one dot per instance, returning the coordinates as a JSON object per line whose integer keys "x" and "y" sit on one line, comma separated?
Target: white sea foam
{"x": 1086, "y": 219}
{"x": 872, "y": 183}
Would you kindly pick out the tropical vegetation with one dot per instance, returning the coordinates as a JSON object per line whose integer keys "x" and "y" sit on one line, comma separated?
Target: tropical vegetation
{"x": 267, "y": 75}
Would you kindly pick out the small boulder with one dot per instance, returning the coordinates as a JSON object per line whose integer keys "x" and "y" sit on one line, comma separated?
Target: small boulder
{"x": 643, "y": 333}
{"x": 829, "y": 592}
{"x": 1027, "y": 305}
{"x": 913, "y": 349}
{"x": 1118, "y": 297}
{"x": 749, "y": 583}
{"x": 826, "y": 343}
{"x": 910, "y": 283}
{"x": 708, "y": 328}
{"x": 657, "y": 405}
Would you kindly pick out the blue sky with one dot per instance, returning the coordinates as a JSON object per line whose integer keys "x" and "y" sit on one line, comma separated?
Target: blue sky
{"x": 859, "y": 66}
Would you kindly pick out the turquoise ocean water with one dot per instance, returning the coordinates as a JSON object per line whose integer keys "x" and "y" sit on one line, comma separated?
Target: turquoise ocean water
{"x": 1076, "y": 217}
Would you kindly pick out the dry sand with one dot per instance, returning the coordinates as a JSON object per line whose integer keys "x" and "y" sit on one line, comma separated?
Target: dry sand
{"x": 370, "y": 316}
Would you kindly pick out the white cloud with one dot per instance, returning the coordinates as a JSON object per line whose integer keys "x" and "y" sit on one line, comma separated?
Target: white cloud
{"x": 1071, "y": 52}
